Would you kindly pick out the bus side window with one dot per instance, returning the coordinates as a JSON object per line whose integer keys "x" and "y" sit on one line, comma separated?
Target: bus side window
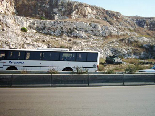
{"x": 67, "y": 56}
{"x": 21, "y": 55}
{"x": 33, "y": 55}
{"x": 2, "y": 55}
{"x": 46, "y": 56}
{"x": 15, "y": 55}
{"x": 12, "y": 55}
{"x": 81, "y": 57}
{"x": 52, "y": 56}
{"x": 92, "y": 57}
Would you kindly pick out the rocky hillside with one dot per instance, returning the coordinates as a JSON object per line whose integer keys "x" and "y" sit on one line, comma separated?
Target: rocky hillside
{"x": 75, "y": 25}
{"x": 66, "y": 9}
{"x": 7, "y": 7}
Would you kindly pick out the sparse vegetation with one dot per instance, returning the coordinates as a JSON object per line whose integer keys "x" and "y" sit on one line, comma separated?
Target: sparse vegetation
{"x": 129, "y": 66}
{"x": 139, "y": 62}
{"x": 102, "y": 61}
{"x": 53, "y": 71}
{"x": 110, "y": 72}
{"x": 101, "y": 67}
{"x": 80, "y": 70}
{"x": 131, "y": 69}
{"x": 42, "y": 18}
{"x": 131, "y": 61}
{"x": 144, "y": 32}
{"x": 131, "y": 30}
{"x": 23, "y": 72}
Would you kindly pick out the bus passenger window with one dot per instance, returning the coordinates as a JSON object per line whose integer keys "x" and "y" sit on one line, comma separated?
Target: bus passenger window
{"x": 92, "y": 57}
{"x": 52, "y": 56}
{"x": 67, "y": 56}
{"x": 12, "y": 55}
{"x": 33, "y": 55}
{"x": 2, "y": 55}
{"x": 46, "y": 56}
{"x": 21, "y": 55}
{"x": 15, "y": 55}
{"x": 81, "y": 57}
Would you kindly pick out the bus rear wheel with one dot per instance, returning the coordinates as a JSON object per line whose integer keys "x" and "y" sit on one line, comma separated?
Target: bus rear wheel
{"x": 67, "y": 69}
{"x": 11, "y": 68}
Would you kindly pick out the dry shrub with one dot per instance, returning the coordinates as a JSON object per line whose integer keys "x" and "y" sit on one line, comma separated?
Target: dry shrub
{"x": 100, "y": 68}
{"x": 131, "y": 61}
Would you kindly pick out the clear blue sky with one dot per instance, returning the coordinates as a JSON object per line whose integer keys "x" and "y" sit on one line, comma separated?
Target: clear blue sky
{"x": 144, "y": 8}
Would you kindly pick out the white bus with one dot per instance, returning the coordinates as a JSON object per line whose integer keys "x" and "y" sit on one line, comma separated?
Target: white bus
{"x": 48, "y": 59}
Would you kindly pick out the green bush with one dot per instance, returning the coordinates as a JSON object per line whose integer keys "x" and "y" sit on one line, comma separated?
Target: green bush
{"x": 23, "y": 29}
{"x": 42, "y": 18}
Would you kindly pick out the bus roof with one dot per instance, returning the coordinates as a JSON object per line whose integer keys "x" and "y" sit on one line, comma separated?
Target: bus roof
{"x": 54, "y": 49}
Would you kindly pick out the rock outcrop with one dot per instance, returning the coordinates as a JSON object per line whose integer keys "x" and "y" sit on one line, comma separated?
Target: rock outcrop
{"x": 7, "y": 7}
{"x": 75, "y": 25}
{"x": 66, "y": 9}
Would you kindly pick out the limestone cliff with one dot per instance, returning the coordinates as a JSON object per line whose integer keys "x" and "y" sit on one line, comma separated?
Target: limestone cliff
{"x": 75, "y": 25}
{"x": 66, "y": 9}
{"x": 7, "y": 7}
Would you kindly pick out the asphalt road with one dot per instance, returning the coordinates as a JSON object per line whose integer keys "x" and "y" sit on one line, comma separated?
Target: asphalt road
{"x": 78, "y": 101}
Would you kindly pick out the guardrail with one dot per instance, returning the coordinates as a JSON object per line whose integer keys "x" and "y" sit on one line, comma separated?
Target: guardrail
{"x": 52, "y": 80}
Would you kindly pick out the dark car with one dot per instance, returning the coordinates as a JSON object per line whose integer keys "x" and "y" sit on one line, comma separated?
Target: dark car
{"x": 113, "y": 60}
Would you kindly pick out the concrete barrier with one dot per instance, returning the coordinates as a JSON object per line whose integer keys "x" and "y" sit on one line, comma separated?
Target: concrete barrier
{"x": 106, "y": 79}
{"x": 139, "y": 79}
{"x": 9, "y": 80}
{"x": 69, "y": 80}
{"x": 31, "y": 80}
{"x": 6, "y": 80}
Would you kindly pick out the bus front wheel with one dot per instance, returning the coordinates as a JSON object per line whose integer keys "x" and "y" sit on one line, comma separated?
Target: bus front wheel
{"x": 67, "y": 69}
{"x": 11, "y": 68}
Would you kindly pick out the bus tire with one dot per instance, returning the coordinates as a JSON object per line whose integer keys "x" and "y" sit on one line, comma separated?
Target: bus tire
{"x": 12, "y": 68}
{"x": 67, "y": 69}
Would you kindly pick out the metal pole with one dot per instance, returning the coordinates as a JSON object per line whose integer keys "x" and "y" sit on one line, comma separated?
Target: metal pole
{"x": 51, "y": 79}
{"x": 88, "y": 79}
{"x": 11, "y": 80}
{"x": 154, "y": 78}
{"x": 123, "y": 79}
